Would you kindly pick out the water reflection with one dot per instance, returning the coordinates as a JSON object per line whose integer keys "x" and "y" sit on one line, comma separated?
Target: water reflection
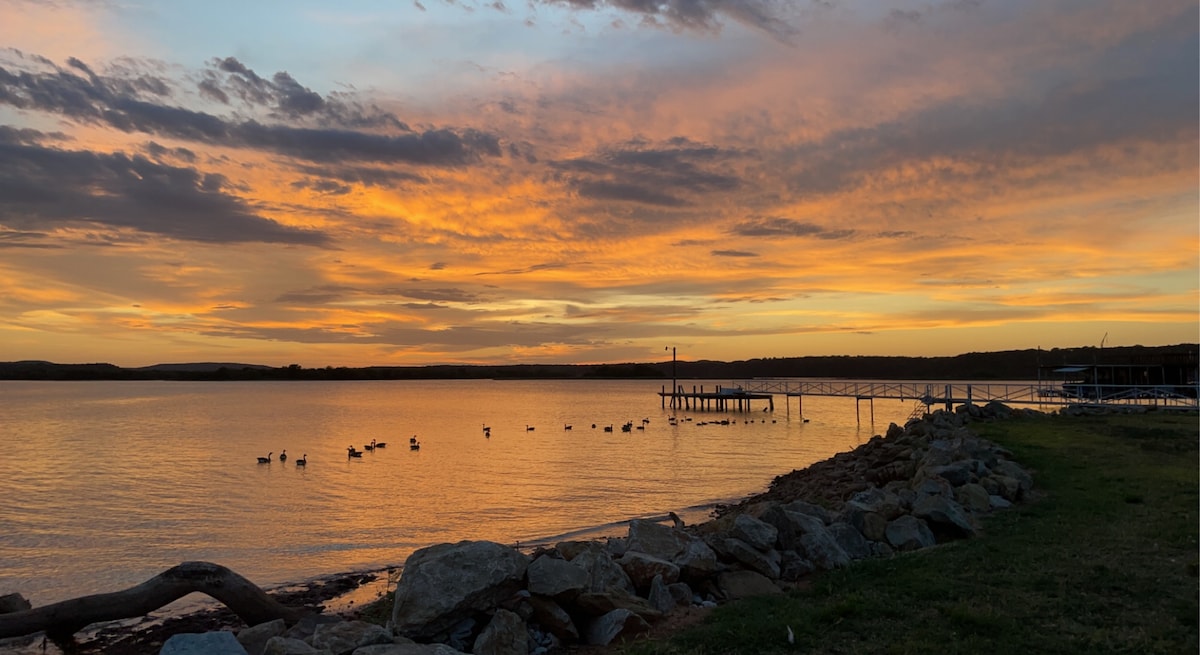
{"x": 117, "y": 481}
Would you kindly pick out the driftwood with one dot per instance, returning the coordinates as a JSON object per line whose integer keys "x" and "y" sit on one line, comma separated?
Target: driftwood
{"x": 62, "y": 620}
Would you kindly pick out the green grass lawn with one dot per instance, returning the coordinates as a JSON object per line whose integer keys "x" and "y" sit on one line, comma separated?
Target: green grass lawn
{"x": 1103, "y": 561}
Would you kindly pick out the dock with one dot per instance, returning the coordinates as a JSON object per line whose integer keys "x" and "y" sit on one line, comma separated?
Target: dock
{"x": 721, "y": 399}
{"x": 739, "y": 394}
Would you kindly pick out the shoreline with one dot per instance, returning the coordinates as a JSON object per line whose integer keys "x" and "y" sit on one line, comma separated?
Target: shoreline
{"x": 334, "y": 594}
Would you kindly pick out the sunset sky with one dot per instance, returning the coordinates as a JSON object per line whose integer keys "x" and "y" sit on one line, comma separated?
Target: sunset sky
{"x": 571, "y": 181}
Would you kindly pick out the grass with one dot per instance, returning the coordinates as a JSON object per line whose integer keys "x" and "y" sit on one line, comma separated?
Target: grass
{"x": 1104, "y": 561}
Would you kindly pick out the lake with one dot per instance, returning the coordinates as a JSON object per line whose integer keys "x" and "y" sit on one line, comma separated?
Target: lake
{"x": 109, "y": 483}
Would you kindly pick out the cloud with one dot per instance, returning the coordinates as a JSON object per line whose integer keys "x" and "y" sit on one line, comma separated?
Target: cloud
{"x": 136, "y": 105}
{"x": 786, "y": 227}
{"x": 44, "y": 187}
{"x": 733, "y": 253}
{"x": 669, "y": 175}
{"x": 774, "y": 17}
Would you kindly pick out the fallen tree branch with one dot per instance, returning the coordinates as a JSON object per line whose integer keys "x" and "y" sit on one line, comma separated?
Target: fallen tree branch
{"x": 63, "y": 619}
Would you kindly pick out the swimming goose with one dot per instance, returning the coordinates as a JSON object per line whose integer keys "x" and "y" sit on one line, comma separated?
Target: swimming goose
{"x": 267, "y": 459}
{"x": 303, "y": 461}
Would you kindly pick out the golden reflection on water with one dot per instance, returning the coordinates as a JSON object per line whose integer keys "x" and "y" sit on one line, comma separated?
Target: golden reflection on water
{"x": 115, "y": 482}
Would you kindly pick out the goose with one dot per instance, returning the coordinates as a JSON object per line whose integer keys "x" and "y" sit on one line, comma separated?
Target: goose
{"x": 567, "y": 426}
{"x": 283, "y": 455}
{"x": 370, "y": 446}
{"x": 379, "y": 444}
{"x": 608, "y": 428}
{"x": 303, "y": 461}
{"x": 412, "y": 440}
{"x": 529, "y": 428}
{"x": 414, "y": 446}
{"x": 351, "y": 452}
{"x": 267, "y": 459}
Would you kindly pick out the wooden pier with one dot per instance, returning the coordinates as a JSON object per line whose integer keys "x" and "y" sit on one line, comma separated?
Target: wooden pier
{"x": 722, "y": 399}
{"x": 739, "y": 395}
{"x": 949, "y": 394}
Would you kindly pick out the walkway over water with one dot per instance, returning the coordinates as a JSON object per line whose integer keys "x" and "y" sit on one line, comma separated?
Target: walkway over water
{"x": 1050, "y": 393}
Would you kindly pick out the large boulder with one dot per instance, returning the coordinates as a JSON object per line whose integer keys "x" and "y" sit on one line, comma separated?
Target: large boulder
{"x": 613, "y": 626}
{"x": 557, "y": 578}
{"x": 656, "y": 539}
{"x": 946, "y": 518}
{"x": 744, "y": 584}
{"x": 505, "y": 634}
{"x": 909, "y": 533}
{"x": 344, "y": 637}
{"x": 204, "y": 643}
{"x": 808, "y": 536}
{"x": 445, "y": 583}
{"x": 254, "y": 638}
{"x": 603, "y": 574}
{"x": 755, "y": 532}
{"x": 553, "y": 618}
{"x": 642, "y": 569}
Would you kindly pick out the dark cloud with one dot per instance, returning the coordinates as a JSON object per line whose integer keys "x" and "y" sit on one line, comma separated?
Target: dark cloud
{"x": 44, "y": 187}
{"x": 667, "y": 176}
{"x": 733, "y": 253}
{"x": 772, "y": 227}
{"x": 287, "y": 99}
{"x": 1139, "y": 91}
{"x": 333, "y": 293}
{"x": 135, "y": 106}
{"x": 773, "y": 17}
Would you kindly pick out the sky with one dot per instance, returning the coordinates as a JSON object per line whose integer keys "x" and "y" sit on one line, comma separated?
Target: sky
{"x": 579, "y": 181}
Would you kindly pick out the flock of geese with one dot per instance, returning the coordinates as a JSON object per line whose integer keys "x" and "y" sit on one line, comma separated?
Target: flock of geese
{"x": 351, "y": 451}
{"x": 413, "y": 444}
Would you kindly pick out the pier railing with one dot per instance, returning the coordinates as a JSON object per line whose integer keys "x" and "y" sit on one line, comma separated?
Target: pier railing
{"x": 961, "y": 392}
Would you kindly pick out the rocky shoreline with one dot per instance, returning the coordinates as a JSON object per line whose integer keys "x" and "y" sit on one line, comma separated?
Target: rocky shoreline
{"x": 925, "y": 483}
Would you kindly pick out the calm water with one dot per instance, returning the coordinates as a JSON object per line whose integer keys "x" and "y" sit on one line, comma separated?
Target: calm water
{"x": 108, "y": 483}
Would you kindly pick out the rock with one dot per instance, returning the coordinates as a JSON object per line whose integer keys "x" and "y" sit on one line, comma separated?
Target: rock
{"x": 505, "y": 634}
{"x": 850, "y": 540}
{"x": 656, "y": 539}
{"x": 957, "y": 473}
{"x": 408, "y": 649}
{"x": 288, "y": 646}
{"x": 681, "y": 592}
{"x": 744, "y": 584}
{"x": 933, "y": 486}
{"x": 759, "y": 534}
{"x": 882, "y": 502}
{"x": 254, "y": 639}
{"x": 794, "y": 566}
{"x": 998, "y": 502}
{"x": 551, "y": 616}
{"x": 342, "y": 638}
{"x": 599, "y": 604}
{"x": 909, "y": 533}
{"x": 614, "y": 625}
{"x": 765, "y": 563}
{"x": 697, "y": 561}
{"x": 801, "y": 507}
{"x": 1014, "y": 471}
{"x": 642, "y": 569}
{"x": 660, "y": 597}
{"x": 307, "y": 625}
{"x": 13, "y": 603}
{"x": 442, "y": 583}
{"x": 550, "y": 576}
{"x": 204, "y": 643}
{"x": 603, "y": 574}
{"x": 569, "y": 549}
{"x": 945, "y": 518}
{"x": 973, "y": 497}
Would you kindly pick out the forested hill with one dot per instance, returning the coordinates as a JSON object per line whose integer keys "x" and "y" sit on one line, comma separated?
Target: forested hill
{"x": 1002, "y": 365}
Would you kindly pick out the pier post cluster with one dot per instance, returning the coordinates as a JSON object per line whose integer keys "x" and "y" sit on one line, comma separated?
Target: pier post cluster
{"x": 721, "y": 400}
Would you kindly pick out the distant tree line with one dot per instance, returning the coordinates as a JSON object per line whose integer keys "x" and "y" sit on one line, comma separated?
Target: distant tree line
{"x": 1001, "y": 365}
